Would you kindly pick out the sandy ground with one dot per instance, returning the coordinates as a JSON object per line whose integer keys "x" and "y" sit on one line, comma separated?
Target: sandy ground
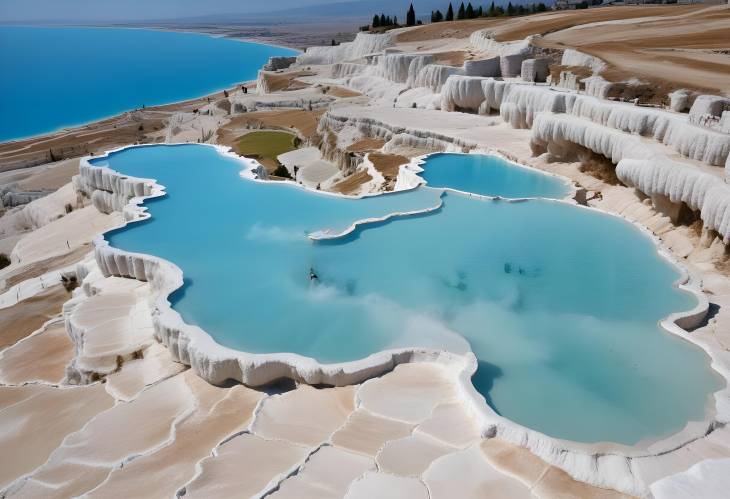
{"x": 680, "y": 46}
{"x": 151, "y": 428}
{"x": 657, "y": 43}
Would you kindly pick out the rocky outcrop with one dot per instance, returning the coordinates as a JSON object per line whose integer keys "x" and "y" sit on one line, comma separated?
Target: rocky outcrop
{"x": 279, "y": 62}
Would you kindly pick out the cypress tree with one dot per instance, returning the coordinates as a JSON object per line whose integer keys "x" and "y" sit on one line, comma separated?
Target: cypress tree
{"x": 376, "y": 21}
{"x": 480, "y": 12}
{"x": 469, "y": 11}
{"x": 382, "y": 20}
{"x": 462, "y": 12}
{"x": 510, "y": 9}
{"x": 411, "y": 17}
{"x": 492, "y": 12}
{"x": 450, "y": 13}
{"x": 395, "y": 20}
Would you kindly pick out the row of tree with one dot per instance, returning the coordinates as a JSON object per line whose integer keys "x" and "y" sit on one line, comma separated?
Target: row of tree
{"x": 385, "y": 21}
{"x": 469, "y": 12}
{"x": 381, "y": 21}
{"x": 464, "y": 12}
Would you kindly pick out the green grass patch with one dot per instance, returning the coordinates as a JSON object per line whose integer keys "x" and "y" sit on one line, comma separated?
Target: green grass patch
{"x": 265, "y": 146}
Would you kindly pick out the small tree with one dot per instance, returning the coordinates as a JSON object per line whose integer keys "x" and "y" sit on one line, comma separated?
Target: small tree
{"x": 376, "y": 21}
{"x": 480, "y": 12}
{"x": 492, "y": 11}
{"x": 383, "y": 20}
{"x": 510, "y": 9}
{"x": 462, "y": 12}
{"x": 450, "y": 13}
{"x": 411, "y": 17}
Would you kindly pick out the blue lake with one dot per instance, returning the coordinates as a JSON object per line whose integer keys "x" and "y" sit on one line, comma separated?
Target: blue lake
{"x": 53, "y": 78}
{"x": 560, "y": 304}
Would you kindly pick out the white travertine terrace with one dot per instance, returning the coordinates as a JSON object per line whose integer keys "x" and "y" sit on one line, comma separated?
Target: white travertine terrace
{"x": 699, "y": 143}
{"x": 482, "y": 67}
{"x": 363, "y": 44}
{"x": 484, "y": 40}
{"x": 462, "y": 92}
{"x": 434, "y": 76}
{"x": 708, "y": 478}
{"x": 640, "y": 166}
{"x": 708, "y": 106}
{"x": 597, "y": 86}
{"x": 534, "y": 70}
{"x": 572, "y": 57}
{"x": 396, "y": 67}
{"x": 522, "y": 103}
{"x": 679, "y": 100}
{"x": 415, "y": 68}
{"x": 108, "y": 190}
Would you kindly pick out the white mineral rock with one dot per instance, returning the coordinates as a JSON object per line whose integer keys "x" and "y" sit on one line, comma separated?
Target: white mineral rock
{"x": 483, "y": 67}
{"x": 573, "y": 57}
{"x": 639, "y": 165}
{"x": 709, "y": 479}
{"x": 434, "y": 76}
{"x": 535, "y": 70}
{"x": 363, "y": 44}
{"x": 679, "y": 100}
{"x": 523, "y": 102}
{"x": 597, "y": 86}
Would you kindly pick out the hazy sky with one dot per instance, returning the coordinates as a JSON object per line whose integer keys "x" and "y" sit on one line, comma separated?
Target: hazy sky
{"x": 120, "y": 10}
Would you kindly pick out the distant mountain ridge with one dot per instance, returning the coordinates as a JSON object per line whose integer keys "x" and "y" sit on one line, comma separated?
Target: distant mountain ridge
{"x": 352, "y": 9}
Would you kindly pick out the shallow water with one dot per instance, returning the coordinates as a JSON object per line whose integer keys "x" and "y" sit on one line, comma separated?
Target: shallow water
{"x": 560, "y": 304}
{"x": 491, "y": 176}
{"x": 58, "y": 77}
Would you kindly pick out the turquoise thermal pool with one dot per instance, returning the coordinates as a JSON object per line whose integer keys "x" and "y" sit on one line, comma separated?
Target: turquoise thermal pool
{"x": 560, "y": 304}
{"x": 490, "y": 176}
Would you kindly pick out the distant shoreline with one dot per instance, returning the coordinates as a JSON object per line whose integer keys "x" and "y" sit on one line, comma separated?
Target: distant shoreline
{"x": 70, "y": 128}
